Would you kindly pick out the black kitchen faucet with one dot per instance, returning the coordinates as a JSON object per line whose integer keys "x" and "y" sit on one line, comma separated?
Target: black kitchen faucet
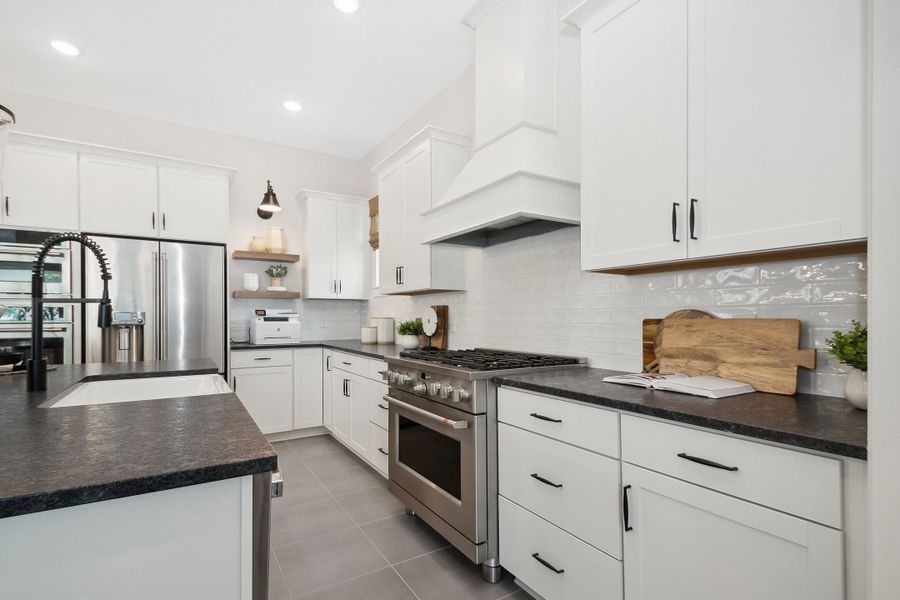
{"x": 37, "y": 364}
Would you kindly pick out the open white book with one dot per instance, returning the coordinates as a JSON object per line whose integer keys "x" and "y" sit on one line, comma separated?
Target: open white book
{"x": 709, "y": 387}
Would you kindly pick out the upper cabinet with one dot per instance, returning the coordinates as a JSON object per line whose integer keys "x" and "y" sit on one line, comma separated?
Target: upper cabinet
{"x": 721, "y": 128}
{"x": 193, "y": 204}
{"x": 410, "y": 182}
{"x": 40, "y": 187}
{"x": 335, "y": 254}
{"x": 118, "y": 195}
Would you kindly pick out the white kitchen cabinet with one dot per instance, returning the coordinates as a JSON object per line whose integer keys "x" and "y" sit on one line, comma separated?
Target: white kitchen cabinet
{"x": 40, "y": 187}
{"x": 411, "y": 182}
{"x": 378, "y": 448}
{"x": 308, "y": 376}
{"x": 684, "y": 542}
{"x": 328, "y": 377}
{"x": 118, "y": 195}
{"x": 193, "y": 204}
{"x": 335, "y": 254}
{"x": 267, "y": 394}
{"x": 341, "y": 406}
{"x": 711, "y": 128}
{"x": 360, "y": 390}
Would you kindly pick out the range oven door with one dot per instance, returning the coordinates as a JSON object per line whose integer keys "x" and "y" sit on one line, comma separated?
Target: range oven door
{"x": 438, "y": 455}
{"x": 15, "y": 343}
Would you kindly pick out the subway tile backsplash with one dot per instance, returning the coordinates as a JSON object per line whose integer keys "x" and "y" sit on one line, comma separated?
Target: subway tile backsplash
{"x": 531, "y": 294}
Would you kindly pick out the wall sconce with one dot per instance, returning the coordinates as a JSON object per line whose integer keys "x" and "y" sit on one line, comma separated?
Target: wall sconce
{"x": 269, "y": 203}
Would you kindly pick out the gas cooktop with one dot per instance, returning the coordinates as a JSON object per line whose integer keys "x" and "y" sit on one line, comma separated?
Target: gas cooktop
{"x": 483, "y": 359}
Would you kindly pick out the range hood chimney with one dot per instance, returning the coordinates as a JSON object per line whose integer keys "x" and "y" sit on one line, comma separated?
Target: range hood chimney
{"x": 523, "y": 178}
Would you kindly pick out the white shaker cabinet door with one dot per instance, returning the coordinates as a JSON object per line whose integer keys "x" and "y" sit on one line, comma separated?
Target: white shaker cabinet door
{"x": 40, "y": 187}
{"x": 634, "y": 165}
{"x": 328, "y": 378}
{"x": 686, "y": 542}
{"x": 308, "y": 376}
{"x": 340, "y": 405}
{"x": 118, "y": 196}
{"x": 320, "y": 259}
{"x": 267, "y": 394}
{"x": 391, "y": 230}
{"x": 193, "y": 204}
{"x": 352, "y": 250}
{"x": 416, "y": 273}
{"x": 778, "y": 123}
{"x": 360, "y": 390}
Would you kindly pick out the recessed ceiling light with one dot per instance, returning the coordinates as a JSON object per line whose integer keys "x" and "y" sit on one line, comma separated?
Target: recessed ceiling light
{"x": 293, "y": 106}
{"x": 347, "y": 6}
{"x": 65, "y": 48}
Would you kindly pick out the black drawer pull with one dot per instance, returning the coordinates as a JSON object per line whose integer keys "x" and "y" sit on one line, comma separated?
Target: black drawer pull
{"x": 708, "y": 463}
{"x": 625, "y": 507}
{"x": 382, "y": 406}
{"x": 547, "y": 481}
{"x": 344, "y": 362}
{"x": 538, "y": 558}
{"x": 263, "y": 358}
{"x": 383, "y": 451}
{"x": 543, "y": 418}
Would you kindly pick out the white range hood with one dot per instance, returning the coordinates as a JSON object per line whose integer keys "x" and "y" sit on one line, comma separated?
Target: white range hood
{"x": 523, "y": 177}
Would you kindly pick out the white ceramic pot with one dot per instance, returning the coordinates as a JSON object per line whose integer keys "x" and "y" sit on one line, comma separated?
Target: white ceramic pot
{"x": 251, "y": 282}
{"x": 408, "y": 342}
{"x": 857, "y": 389}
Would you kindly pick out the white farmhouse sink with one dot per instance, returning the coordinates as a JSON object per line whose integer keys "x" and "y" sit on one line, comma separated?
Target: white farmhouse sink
{"x": 145, "y": 388}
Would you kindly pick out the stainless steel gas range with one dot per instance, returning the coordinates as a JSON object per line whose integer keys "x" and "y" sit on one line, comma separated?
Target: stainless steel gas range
{"x": 443, "y": 440}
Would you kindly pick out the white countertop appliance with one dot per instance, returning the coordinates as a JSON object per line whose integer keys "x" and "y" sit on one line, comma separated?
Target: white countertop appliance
{"x": 274, "y": 327}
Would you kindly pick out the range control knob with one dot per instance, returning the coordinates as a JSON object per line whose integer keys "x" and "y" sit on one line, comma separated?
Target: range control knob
{"x": 433, "y": 388}
{"x": 404, "y": 379}
{"x": 392, "y": 376}
{"x": 420, "y": 388}
{"x": 446, "y": 390}
{"x": 460, "y": 395}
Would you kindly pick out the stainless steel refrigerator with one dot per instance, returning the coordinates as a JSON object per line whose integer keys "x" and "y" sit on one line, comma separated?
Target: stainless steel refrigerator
{"x": 179, "y": 285}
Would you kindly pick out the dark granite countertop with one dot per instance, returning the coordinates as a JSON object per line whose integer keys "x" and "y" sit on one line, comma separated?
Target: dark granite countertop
{"x": 382, "y": 351}
{"x": 59, "y": 457}
{"x": 808, "y": 421}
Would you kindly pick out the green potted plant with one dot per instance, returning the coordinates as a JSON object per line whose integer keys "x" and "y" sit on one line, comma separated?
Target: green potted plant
{"x": 408, "y": 334}
{"x": 276, "y": 273}
{"x": 851, "y": 349}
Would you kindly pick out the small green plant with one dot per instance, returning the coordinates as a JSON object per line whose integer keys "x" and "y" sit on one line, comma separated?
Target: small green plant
{"x": 851, "y": 348}
{"x": 410, "y": 328}
{"x": 276, "y": 271}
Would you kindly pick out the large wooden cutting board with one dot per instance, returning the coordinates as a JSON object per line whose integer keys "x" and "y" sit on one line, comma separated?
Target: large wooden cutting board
{"x": 761, "y": 352}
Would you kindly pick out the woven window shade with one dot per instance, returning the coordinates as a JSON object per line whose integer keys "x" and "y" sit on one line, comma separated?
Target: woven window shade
{"x": 373, "y": 223}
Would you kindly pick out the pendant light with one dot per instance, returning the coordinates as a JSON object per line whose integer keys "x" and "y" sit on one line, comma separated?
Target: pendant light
{"x": 269, "y": 203}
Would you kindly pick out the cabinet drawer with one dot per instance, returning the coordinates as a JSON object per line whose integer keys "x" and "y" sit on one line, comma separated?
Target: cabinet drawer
{"x": 261, "y": 358}
{"x": 352, "y": 363}
{"x": 579, "y": 492}
{"x": 592, "y": 428}
{"x": 378, "y": 446}
{"x": 379, "y": 407}
{"x": 587, "y": 572}
{"x": 802, "y": 484}
{"x": 376, "y": 367}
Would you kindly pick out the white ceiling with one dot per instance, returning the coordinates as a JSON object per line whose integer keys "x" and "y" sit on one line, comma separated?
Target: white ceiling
{"x": 228, "y": 65}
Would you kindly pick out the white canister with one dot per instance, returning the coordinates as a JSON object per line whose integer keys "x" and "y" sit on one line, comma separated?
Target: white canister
{"x": 385, "y": 327}
{"x": 368, "y": 335}
{"x": 251, "y": 282}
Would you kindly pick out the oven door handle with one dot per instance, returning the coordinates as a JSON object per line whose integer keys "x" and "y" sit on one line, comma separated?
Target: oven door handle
{"x": 28, "y": 330}
{"x": 424, "y": 413}
{"x": 34, "y": 252}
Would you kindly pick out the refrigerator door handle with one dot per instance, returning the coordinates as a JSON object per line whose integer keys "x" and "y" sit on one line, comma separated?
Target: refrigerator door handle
{"x": 164, "y": 307}
{"x": 156, "y": 292}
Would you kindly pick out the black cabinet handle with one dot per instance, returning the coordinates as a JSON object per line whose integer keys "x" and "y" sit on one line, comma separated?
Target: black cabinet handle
{"x": 340, "y": 286}
{"x": 328, "y": 363}
{"x": 234, "y": 384}
{"x": 625, "y": 507}
{"x": 382, "y": 406}
{"x": 164, "y": 221}
{"x": 543, "y": 418}
{"x": 397, "y": 275}
{"x": 693, "y": 217}
{"x": 538, "y": 558}
{"x": 401, "y": 275}
{"x": 706, "y": 462}
{"x": 347, "y": 387}
{"x": 675, "y": 206}
{"x": 6, "y": 205}
{"x": 383, "y": 451}
{"x": 152, "y": 218}
{"x": 547, "y": 481}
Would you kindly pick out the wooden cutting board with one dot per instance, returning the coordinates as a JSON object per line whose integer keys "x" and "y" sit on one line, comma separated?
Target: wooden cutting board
{"x": 650, "y": 334}
{"x": 761, "y": 352}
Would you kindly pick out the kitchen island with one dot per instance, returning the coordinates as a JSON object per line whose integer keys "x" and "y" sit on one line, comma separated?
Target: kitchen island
{"x": 143, "y": 499}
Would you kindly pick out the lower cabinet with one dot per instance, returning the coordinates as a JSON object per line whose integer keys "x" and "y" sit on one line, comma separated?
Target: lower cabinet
{"x": 360, "y": 401}
{"x": 267, "y": 394}
{"x": 308, "y": 396}
{"x": 687, "y": 542}
{"x": 378, "y": 448}
{"x": 327, "y": 387}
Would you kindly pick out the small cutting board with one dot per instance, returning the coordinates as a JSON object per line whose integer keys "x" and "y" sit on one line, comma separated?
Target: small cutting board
{"x": 762, "y": 352}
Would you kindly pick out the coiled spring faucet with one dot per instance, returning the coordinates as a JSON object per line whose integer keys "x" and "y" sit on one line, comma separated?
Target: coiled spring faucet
{"x": 37, "y": 364}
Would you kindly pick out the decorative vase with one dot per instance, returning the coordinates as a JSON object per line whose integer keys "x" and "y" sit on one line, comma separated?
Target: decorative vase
{"x": 251, "y": 282}
{"x": 856, "y": 389}
{"x": 408, "y": 342}
{"x": 257, "y": 244}
{"x": 275, "y": 240}
{"x": 275, "y": 282}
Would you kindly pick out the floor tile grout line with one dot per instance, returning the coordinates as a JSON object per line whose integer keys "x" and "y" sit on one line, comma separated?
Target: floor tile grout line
{"x": 365, "y": 535}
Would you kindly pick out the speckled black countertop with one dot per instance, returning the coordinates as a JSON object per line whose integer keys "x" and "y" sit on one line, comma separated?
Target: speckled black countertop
{"x": 807, "y": 421}
{"x": 382, "y": 351}
{"x": 59, "y": 457}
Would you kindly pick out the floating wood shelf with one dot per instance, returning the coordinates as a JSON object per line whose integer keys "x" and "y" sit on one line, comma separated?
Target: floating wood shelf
{"x": 265, "y": 294}
{"x": 265, "y": 256}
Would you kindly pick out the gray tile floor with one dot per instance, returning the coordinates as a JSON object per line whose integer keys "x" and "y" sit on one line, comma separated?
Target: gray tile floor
{"x": 339, "y": 534}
